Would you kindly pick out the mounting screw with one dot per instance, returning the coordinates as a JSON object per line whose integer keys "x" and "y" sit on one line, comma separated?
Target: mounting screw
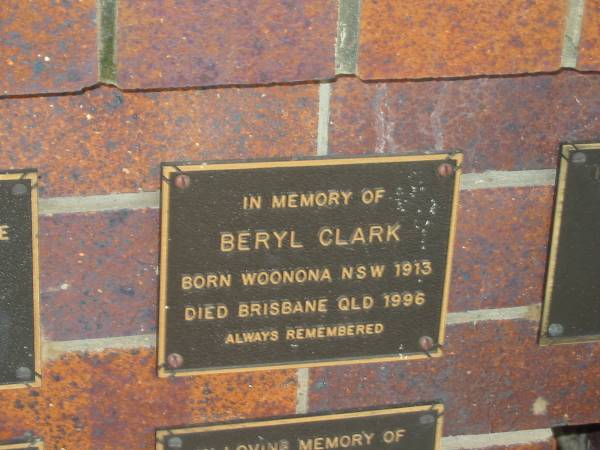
{"x": 23, "y": 373}
{"x": 578, "y": 158}
{"x": 427, "y": 419}
{"x": 175, "y": 442}
{"x": 175, "y": 360}
{"x": 426, "y": 343}
{"x": 19, "y": 189}
{"x": 182, "y": 181}
{"x": 445, "y": 170}
{"x": 556, "y": 330}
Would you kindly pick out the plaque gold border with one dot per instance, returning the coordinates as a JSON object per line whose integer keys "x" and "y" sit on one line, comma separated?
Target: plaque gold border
{"x": 168, "y": 169}
{"x": 565, "y": 156}
{"x": 38, "y": 445}
{"x": 37, "y": 334}
{"x": 437, "y": 407}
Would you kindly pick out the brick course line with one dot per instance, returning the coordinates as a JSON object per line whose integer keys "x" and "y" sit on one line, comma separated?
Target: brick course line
{"x": 570, "y": 51}
{"x": 107, "y": 37}
{"x": 53, "y": 349}
{"x": 348, "y": 33}
{"x": 475, "y": 441}
{"x": 324, "y": 112}
{"x": 151, "y": 200}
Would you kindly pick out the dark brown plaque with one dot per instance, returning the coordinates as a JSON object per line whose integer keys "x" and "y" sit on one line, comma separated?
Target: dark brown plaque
{"x": 19, "y": 274}
{"x": 572, "y": 300}
{"x": 406, "y": 428}
{"x": 304, "y": 263}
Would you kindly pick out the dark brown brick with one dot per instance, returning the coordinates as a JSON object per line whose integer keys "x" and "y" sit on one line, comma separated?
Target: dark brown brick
{"x": 589, "y": 47}
{"x": 452, "y": 38}
{"x": 500, "y": 255}
{"x": 107, "y": 141}
{"x": 169, "y": 43}
{"x": 47, "y": 46}
{"x": 113, "y": 400}
{"x": 490, "y": 378}
{"x": 500, "y": 123}
{"x": 99, "y": 274}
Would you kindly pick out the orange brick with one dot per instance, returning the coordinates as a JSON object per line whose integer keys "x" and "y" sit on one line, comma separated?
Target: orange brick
{"x": 47, "y": 46}
{"x": 113, "y": 400}
{"x": 450, "y": 38}
{"x": 589, "y": 47}
{"x": 168, "y": 43}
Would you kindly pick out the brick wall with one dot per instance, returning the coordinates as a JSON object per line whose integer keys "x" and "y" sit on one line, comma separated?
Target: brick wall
{"x": 96, "y": 94}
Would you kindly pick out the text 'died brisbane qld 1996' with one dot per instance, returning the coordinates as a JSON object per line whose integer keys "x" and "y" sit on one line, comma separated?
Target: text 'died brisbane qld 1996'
{"x": 302, "y": 263}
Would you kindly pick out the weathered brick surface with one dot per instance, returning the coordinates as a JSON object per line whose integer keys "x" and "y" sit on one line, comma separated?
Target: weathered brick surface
{"x": 493, "y": 378}
{"x": 500, "y": 255}
{"x": 113, "y": 400}
{"x": 589, "y": 47}
{"x": 452, "y": 38}
{"x": 170, "y": 43}
{"x": 107, "y": 141}
{"x": 499, "y": 123}
{"x": 47, "y": 46}
{"x": 99, "y": 274}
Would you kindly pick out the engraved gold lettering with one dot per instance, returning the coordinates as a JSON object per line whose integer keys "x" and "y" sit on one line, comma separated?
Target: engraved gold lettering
{"x": 352, "y": 303}
{"x": 329, "y": 331}
{"x": 373, "y": 234}
{"x": 298, "y": 275}
{"x": 318, "y": 199}
{"x": 361, "y": 439}
{"x": 245, "y": 241}
{"x": 205, "y": 281}
{"x": 249, "y": 337}
{"x": 370, "y": 196}
{"x": 252, "y": 202}
{"x": 4, "y": 233}
{"x": 206, "y": 312}
{"x": 392, "y": 436}
{"x": 361, "y": 271}
{"x": 282, "y": 307}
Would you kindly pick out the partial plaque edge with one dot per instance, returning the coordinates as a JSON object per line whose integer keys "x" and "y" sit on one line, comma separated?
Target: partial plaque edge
{"x": 161, "y": 435}
{"x": 564, "y": 156}
{"x": 31, "y": 175}
{"x": 169, "y": 168}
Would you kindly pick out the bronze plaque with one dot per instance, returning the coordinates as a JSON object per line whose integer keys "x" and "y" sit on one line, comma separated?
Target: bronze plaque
{"x": 19, "y": 274}
{"x": 572, "y": 300}
{"x": 406, "y": 428}
{"x": 304, "y": 263}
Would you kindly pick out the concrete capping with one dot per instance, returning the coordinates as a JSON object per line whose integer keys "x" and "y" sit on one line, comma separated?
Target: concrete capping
{"x": 99, "y": 203}
{"x": 475, "y": 441}
{"x": 303, "y": 387}
{"x": 493, "y": 179}
{"x": 347, "y": 40}
{"x": 572, "y": 36}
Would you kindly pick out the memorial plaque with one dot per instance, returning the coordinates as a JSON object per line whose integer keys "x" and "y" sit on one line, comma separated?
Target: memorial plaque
{"x": 572, "y": 300}
{"x": 19, "y": 292}
{"x": 304, "y": 263}
{"x": 407, "y": 428}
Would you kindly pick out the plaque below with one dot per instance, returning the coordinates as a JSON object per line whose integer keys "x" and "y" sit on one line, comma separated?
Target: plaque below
{"x": 304, "y": 263}
{"x": 19, "y": 274}
{"x": 572, "y": 298}
{"x": 406, "y": 428}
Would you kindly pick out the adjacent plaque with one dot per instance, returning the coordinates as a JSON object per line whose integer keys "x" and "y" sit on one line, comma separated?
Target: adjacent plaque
{"x": 303, "y": 263}
{"x": 572, "y": 299}
{"x": 408, "y": 428}
{"x": 19, "y": 274}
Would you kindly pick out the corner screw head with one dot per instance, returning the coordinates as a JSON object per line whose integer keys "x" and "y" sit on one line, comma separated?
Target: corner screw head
{"x": 427, "y": 419}
{"x": 556, "y": 330}
{"x": 175, "y": 442}
{"x": 175, "y": 360}
{"x": 23, "y": 374}
{"x": 426, "y": 343}
{"x": 182, "y": 181}
{"x": 445, "y": 170}
{"x": 19, "y": 189}
{"x": 578, "y": 158}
